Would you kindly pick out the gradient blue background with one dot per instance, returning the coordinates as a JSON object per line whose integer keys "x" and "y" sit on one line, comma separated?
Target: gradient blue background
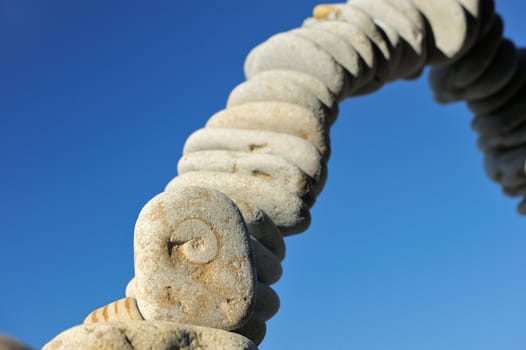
{"x": 411, "y": 246}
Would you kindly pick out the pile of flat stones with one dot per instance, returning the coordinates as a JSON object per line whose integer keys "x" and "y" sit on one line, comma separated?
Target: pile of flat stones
{"x": 209, "y": 247}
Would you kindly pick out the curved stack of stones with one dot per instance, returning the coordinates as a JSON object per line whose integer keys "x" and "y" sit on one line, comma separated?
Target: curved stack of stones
{"x": 209, "y": 247}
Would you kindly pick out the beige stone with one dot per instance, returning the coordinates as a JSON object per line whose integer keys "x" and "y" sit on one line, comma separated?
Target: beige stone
{"x": 490, "y": 104}
{"x": 193, "y": 259}
{"x": 288, "y": 212}
{"x": 449, "y": 27}
{"x": 408, "y": 23}
{"x": 281, "y": 90}
{"x": 289, "y": 52}
{"x": 294, "y": 149}
{"x": 309, "y": 82}
{"x": 8, "y": 343}
{"x": 280, "y": 117}
{"x": 341, "y": 51}
{"x": 142, "y": 335}
{"x": 120, "y": 310}
{"x": 276, "y": 170}
{"x": 261, "y": 227}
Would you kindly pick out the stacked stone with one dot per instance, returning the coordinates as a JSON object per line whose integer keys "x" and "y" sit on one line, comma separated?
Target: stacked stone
{"x": 492, "y": 79}
{"x": 209, "y": 247}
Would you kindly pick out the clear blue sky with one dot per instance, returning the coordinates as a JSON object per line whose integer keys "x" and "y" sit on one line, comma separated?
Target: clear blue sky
{"x": 411, "y": 246}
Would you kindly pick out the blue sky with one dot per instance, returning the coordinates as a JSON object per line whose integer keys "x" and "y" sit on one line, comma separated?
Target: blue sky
{"x": 411, "y": 246}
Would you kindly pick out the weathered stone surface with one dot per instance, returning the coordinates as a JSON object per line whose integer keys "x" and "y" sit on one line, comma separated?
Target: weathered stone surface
{"x": 505, "y": 119}
{"x": 268, "y": 266}
{"x": 120, "y": 310}
{"x": 281, "y": 90}
{"x": 193, "y": 259}
{"x": 8, "y": 343}
{"x": 341, "y": 51}
{"x": 261, "y": 227}
{"x": 309, "y": 82}
{"x": 130, "y": 290}
{"x": 276, "y": 170}
{"x": 280, "y": 117}
{"x": 408, "y": 23}
{"x": 142, "y": 335}
{"x": 494, "y": 142}
{"x": 449, "y": 27}
{"x": 287, "y": 211}
{"x": 294, "y": 149}
{"x": 507, "y": 167}
{"x": 289, "y": 52}
{"x": 490, "y": 104}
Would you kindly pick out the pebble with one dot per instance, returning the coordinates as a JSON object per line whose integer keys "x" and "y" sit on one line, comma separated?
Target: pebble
{"x": 191, "y": 246}
{"x": 121, "y": 310}
{"x": 288, "y": 212}
{"x": 286, "y": 51}
{"x": 276, "y": 170}
{"x": 507, "y": 167}
{"x": 280, "y": 117}
{"x": 141, "y": 335}
{"x": 294, "y": 149}
{"x": 268, "y": 266}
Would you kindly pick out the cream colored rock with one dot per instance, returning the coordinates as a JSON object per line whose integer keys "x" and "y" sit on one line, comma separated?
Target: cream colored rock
{"x": 507, "y": 167}
{"x": 490, "y": 104}
{"x": 309, "y": 82}
{"x": 288, "y": 212}
{"x": 341, "y": 51}
{"x": 357, "y": 40}
{"x": 276, "y": 170}
{"x": 142, "y": 335}
{"x": 193, "y": 259}
{"x": 408, "y": 23}
{"x": 130, "y": 289}
{"x": 281, "y": 90}
{"x": 286, "y": 51}
{"x": 505, "y": 119}
{"x": 449, "y": 27}
{"x": 261, "y": 227}
{"x": 294, "y": 149}
{"x": 121, "y": 310}
{"x": 279, "y": 117}
{"x": 8, "y": 343}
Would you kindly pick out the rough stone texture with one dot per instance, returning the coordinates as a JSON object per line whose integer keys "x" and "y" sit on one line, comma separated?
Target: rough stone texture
{"x": 277, "y": 171}
{"x": 289, "y": 52}
{"x": 294, "y": 149}
{"x": 287, "y": 211}
{"x": 143, "y": 335}
{"x": 120, "y": 310}
{"x": 193, "y": 260}
{"x": 280, "y": 117}
{"x": 8, "y": 343}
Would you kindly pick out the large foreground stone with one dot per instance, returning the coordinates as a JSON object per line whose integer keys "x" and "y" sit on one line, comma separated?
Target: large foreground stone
{"x": 147, "y": 335}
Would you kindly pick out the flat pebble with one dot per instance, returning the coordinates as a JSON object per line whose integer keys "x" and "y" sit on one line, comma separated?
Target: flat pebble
{"x": 191, "y": 246}
{"x": 288, "y": 212}
{"x": 507, "y": 167}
